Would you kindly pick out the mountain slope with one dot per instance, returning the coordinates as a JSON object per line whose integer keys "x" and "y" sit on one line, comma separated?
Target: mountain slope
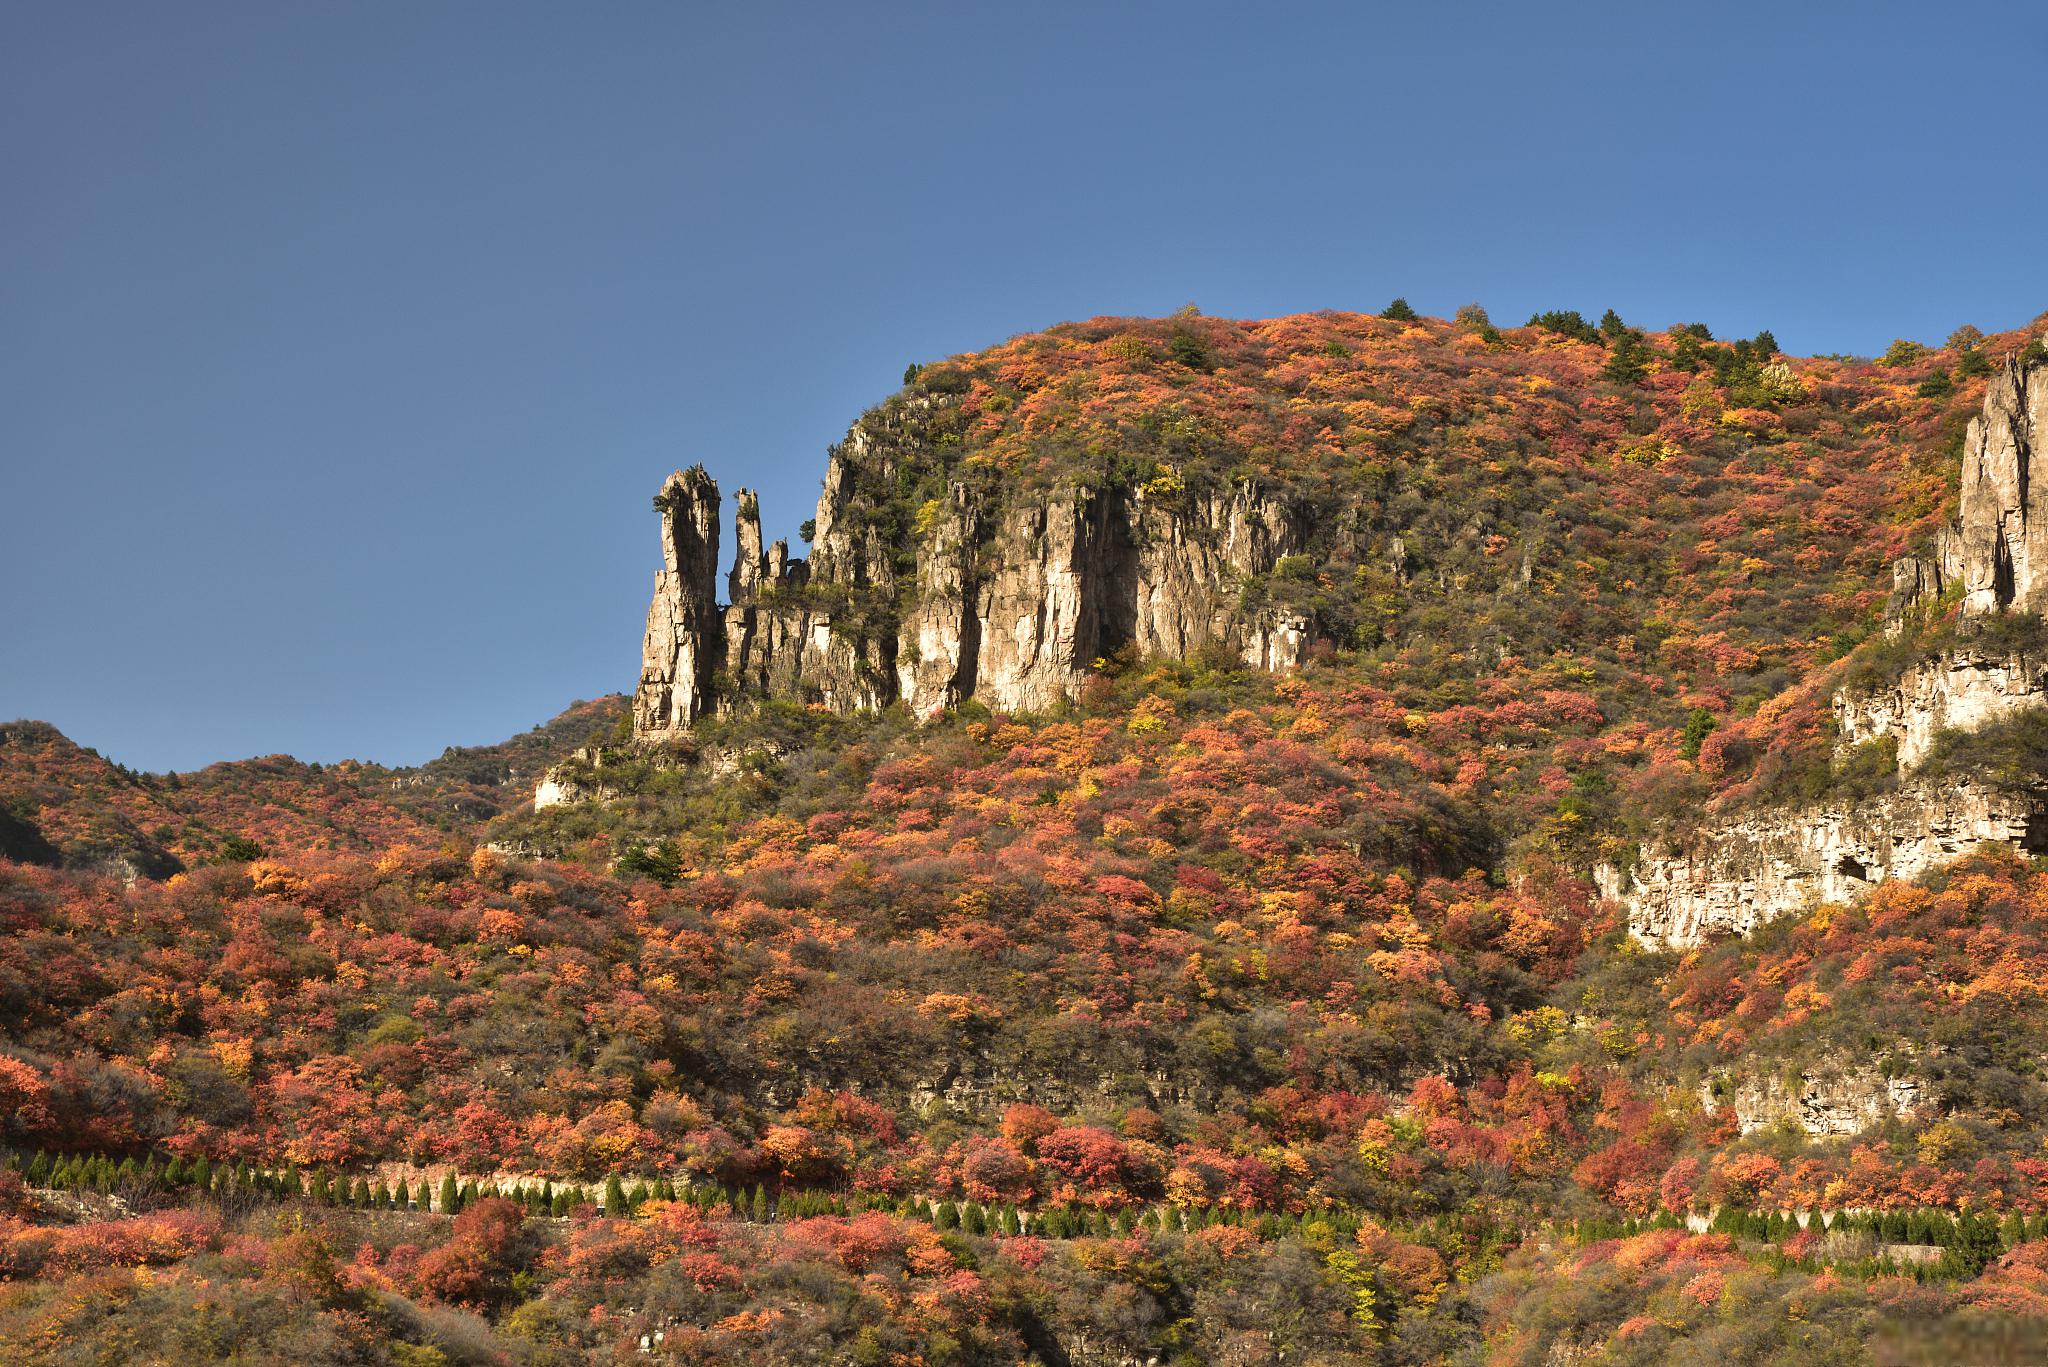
{"x": 65, "y": 804}
{"x": 1202, "y": 1009}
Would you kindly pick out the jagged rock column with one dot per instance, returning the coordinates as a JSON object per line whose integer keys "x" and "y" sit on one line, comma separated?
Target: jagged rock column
{"x": 682, "y": 647}
{"x": 749, "y": 564}
{"x": 2004, "y": 520}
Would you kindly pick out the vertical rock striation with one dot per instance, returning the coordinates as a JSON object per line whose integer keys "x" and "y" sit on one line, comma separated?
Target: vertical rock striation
{"x": 677, "y": 657}
{"x": 2004, "y": 505}
{"x": 1004, "y": 596}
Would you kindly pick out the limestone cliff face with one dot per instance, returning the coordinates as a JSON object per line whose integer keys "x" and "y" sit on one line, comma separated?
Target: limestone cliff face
{"x": 1962, "y": 690}
{"x": 1735, "y": 876}
{"x": 1007, "y": 597}
{"x": 1748, "y": 868}
{"x": 676, "y": 659}
{"x": 2004, "y": 507}
{"x": 1840, "y": 1098}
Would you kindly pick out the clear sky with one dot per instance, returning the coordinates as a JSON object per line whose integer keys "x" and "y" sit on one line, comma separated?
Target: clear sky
{"x": 342, "y": 346}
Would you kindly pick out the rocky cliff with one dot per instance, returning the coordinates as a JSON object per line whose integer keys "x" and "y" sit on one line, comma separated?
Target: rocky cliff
{"x": 1961, "y": 689}
{"x": 980, "y": 591}
{"x": 2004, "y": 506}
{"x": 1842, "y": 1096}
{"x": 1749, "y": 867}
{"x": 1734, "y": 875}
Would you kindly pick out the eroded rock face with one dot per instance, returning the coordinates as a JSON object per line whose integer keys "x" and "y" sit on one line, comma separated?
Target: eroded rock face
{"x": 677, "y": 658}
{"x": 1734, "y": 877}
{"x": 1012, "y": 600}
{"x": 1840, "y": 1098}
{"x": 1962, "y": 690}
{"x": 2004, "y": 506}
{"x": 1740, "y": 872}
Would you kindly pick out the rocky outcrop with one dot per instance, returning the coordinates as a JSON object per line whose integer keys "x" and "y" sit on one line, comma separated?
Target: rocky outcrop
{"x": 1751, "y": 868}
{"x": 1839, "y": 1098}
{"x": 1960, "y": 690}
{"x": 2004, "y": 507}
{"x": 677, "y": 658}
{"x": 1922, "y": 580}
{"x": 1007, "y": 597}
{"x": 1734, "y": 877}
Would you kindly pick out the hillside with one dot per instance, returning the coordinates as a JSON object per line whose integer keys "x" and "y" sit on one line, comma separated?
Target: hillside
{"x": 64, "y": 804}
{"x": 1217, "y": 974}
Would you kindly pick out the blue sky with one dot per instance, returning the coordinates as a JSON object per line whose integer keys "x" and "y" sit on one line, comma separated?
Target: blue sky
{"x": 342, "y": 346}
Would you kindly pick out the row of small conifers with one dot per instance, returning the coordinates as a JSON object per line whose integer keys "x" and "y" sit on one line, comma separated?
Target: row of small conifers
{"x": 617, "y": 1198}
{"x": 1918, "y": 1243}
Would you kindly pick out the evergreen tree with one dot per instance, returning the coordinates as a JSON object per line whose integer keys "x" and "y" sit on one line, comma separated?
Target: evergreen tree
{"x": 614, "y": 1197}
{"x": 1398, "y": 312}
{"x": 760, "y": 1210}
{"x": 1628, "y": 359}
{"x": 451, "y": 1194}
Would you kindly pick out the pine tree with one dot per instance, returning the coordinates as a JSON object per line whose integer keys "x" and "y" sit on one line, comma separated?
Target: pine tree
{"x": 1628, "y": 360}
{"x": 760, "y": 1207}
{"x": 1398, "y": 312}
{"x": 614, "y": 1197}
{"x": 451, "y": 1194}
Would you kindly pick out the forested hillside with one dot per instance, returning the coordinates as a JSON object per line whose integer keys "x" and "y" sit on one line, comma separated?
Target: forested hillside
{"x": 1218, "y": 1014}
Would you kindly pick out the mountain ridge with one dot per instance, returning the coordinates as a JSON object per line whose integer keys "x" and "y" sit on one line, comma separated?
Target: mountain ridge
{"x": 1187, "y": 1008}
